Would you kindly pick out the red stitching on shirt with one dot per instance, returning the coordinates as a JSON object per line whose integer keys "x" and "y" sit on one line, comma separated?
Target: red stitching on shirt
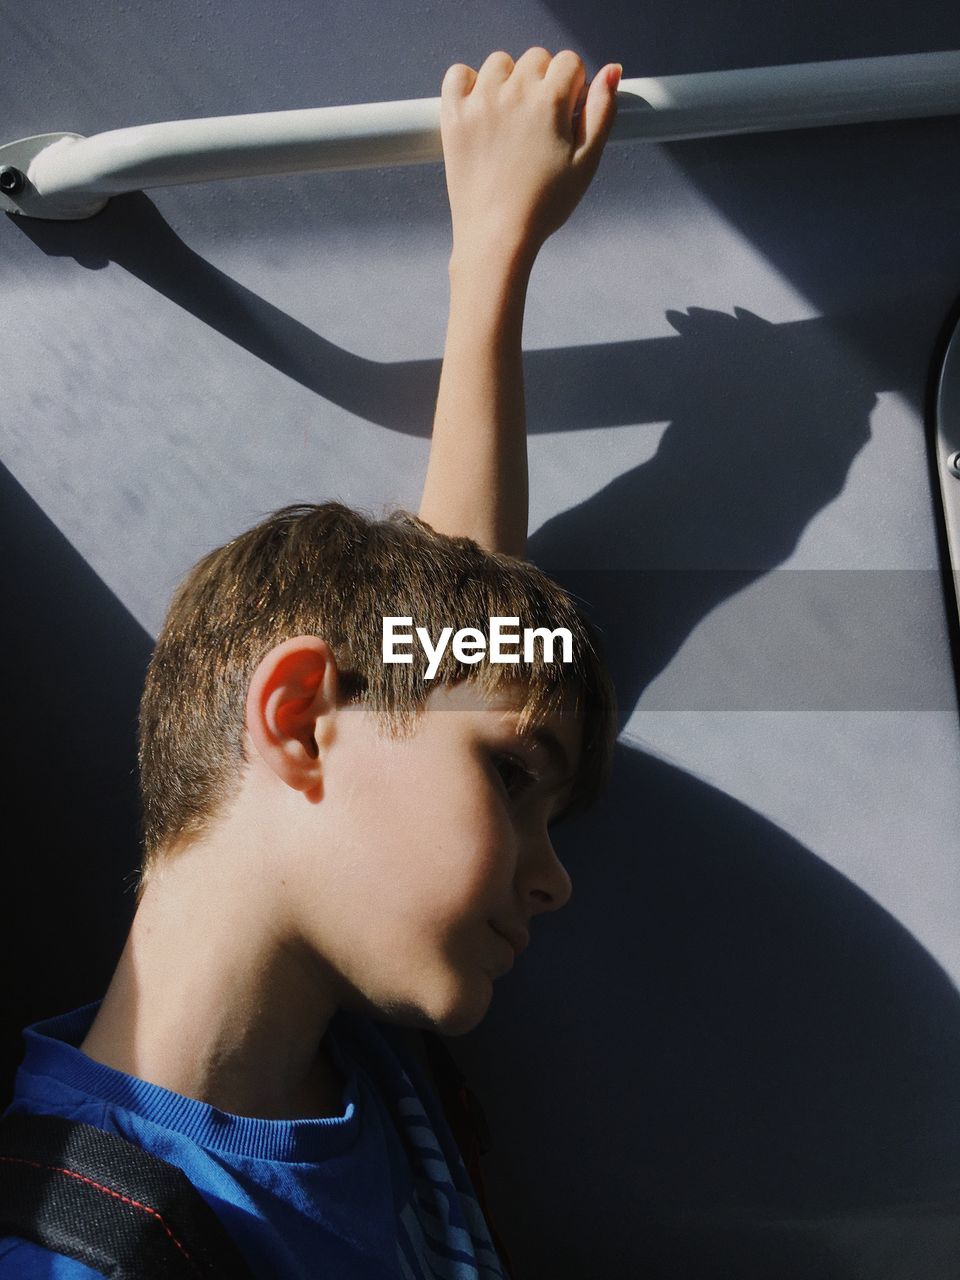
{"x": 110, "y": 1192}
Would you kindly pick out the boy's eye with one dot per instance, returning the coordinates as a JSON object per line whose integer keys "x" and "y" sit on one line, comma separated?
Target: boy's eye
{"x": 514, "y": 774}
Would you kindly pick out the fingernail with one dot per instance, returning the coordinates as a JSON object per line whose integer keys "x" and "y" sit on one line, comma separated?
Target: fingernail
{"x": 614, "y": 81}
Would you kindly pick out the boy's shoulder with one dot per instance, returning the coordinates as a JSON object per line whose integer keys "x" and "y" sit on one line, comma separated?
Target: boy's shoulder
{"x": 371, "y": 1181}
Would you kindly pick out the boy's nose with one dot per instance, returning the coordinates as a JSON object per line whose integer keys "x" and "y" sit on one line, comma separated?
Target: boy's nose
{"x": 549, "y": 886}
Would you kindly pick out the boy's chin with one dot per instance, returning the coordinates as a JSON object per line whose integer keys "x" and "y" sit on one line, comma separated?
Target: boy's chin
{"x": 451, "y": 1009}
{"x": 463, "y": 1010}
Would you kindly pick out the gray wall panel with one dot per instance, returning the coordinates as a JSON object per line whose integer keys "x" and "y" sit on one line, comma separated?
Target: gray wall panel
{"x": 737, "y": 1052}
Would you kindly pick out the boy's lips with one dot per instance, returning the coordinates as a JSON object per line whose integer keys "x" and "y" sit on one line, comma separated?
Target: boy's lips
{"x": 516, "y": 935}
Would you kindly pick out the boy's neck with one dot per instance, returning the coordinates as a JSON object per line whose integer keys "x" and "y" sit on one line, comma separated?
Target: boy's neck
{"x": 210, "y": 1001}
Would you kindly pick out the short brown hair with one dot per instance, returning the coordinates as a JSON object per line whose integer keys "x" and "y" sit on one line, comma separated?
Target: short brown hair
{"x": 329, "y": 571}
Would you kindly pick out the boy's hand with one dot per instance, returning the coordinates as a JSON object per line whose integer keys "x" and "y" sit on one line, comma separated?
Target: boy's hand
{"x": 516, "y": 163}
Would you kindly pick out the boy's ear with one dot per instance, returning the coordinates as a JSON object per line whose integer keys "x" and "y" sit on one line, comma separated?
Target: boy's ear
{"x": 291, "y": 704}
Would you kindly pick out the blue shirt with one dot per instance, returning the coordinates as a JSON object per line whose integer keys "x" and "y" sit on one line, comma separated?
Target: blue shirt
{"x": 377, "y": 1193}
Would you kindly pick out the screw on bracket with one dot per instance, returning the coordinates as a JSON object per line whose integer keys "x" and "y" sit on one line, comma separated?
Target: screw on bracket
{"x": 953, "y": 463}
{"x": 12, "y": 180}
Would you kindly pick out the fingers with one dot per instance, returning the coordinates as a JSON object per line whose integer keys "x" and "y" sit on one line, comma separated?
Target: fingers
{"x": 457, "y": 82}
{"x": 496, "y": 68}
{"x": 567, "y": 75}
{"x": 533, "y": 63}
{"x": 564, "y": 74}
{"x": 564, "y": 71}
{"x": 599, "y": 111}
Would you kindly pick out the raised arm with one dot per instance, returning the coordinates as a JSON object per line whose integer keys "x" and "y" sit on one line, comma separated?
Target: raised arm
{"x": 517, "y": 160}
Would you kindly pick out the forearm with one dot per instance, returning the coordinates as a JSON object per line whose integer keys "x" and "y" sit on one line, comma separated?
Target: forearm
{"x": 476, "y": 482}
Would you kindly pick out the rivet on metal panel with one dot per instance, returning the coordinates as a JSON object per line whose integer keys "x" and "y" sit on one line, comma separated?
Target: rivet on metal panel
{"x": 953, "y": 464}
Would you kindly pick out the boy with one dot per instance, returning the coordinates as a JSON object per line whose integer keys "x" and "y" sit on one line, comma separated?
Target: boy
{"x": 335, "y": 846}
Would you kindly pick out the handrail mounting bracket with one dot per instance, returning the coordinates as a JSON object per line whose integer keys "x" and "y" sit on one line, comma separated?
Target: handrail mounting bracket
{"x": 28, "y": 201}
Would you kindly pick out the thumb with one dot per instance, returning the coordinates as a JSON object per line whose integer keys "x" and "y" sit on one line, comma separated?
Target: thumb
{"x": 598, "y": 114}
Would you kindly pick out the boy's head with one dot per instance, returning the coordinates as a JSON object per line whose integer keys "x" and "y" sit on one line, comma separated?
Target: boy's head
{"x": 437, "y": 793}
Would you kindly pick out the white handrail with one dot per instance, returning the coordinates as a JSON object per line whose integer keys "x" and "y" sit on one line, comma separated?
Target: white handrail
{"x": 69, "y": 176}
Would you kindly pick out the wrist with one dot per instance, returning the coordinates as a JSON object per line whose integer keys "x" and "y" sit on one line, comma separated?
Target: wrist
{"x": 493, "y": 260}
